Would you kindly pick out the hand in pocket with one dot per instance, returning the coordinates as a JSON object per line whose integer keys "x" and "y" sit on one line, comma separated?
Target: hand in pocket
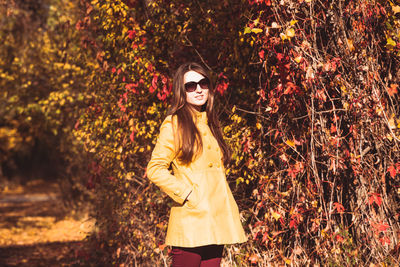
{"x": 194, "y": 198}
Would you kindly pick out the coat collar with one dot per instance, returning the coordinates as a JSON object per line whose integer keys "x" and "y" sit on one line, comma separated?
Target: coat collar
{"x": 200, "y": 116}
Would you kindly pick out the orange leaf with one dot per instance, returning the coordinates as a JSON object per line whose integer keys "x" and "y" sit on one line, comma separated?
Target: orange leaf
{"x": 290, "y": 88}
{"x": 392, "y": 89}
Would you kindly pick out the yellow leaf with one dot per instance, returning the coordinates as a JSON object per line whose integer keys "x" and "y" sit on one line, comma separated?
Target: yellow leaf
{"x": 257, "y": 30}
{"x": 390, "y": 42}
{"x": 396, "y": 9}
{"x": 289, "y": 142}
{"x": 276, "y": 215}
{"x": 274, "y": 25}
{"x": 298, "y": 59}
{"x": 290, "y": 32}
{"x": 292, "y": 22}
{"x": 392, "y": 123}
{"x": 258, "y": 125}
{"x": 350, "y": 44}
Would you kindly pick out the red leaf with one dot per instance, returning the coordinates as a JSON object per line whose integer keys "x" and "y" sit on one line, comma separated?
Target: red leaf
{"x": 384, "y": 240}
{"x": 132, "y": 136}
{"x": 125, "y": 97}
{"x": 265, "y": 237}
{"x": 380, "y": 226}
{"x": 77, "y": 125}
{"x": 293, "y": 224}
{"x": 338, "y": 207}
{"x": 150, "y": 68}
{"x": 131, "y": 87}
{"x": 222, "y": 87}
{"x": 292, "y": 173}
{"x": 261, "y": 54}
{"x": 253, "y": 259}
{"x": 154, "y": 81}
{"x": 392, "y": 171}
{"x": 375, "y": 197}
{"x": 378, "y": 199}
{"x": 339, "y": 238}
{"x": 131, "y": 34}
{"x": 279, "y": 56}
{"x": 153, "y": 86}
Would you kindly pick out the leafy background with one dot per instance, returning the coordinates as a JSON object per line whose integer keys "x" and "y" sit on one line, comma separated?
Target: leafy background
{"x": 307, "y": 96}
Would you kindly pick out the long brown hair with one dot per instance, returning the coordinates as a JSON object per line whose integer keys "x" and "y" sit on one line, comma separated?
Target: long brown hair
{"x": 189, "y": 138}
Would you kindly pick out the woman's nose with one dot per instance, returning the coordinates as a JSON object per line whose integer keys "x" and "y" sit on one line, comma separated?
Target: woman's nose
{"x": 198, "y": 88}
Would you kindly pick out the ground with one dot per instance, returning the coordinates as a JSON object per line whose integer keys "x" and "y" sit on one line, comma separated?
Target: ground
{"x": 37, "y": 230}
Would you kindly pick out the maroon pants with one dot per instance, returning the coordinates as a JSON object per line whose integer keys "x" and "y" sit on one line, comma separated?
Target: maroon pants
{"x": 205, "y": 256}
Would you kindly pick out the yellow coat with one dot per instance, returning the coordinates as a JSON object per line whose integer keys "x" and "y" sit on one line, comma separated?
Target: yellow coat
{"x": 210, "y": 215}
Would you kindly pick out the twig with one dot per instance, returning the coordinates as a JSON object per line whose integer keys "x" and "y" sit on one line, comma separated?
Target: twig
{"x": 197, "y": 52}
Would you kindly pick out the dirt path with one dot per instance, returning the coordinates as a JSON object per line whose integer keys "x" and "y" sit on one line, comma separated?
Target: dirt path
{"x": 35, "y": 229}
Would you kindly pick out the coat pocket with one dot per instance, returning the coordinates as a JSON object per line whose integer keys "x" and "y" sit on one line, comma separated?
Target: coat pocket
{"x": 194, "y": 198}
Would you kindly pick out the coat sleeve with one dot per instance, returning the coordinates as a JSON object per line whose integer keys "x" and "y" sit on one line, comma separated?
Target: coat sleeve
{"x": 157, "y": 168}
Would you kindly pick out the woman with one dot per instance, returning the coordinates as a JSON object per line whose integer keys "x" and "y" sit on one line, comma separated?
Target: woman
{"x": 204, "y": 216}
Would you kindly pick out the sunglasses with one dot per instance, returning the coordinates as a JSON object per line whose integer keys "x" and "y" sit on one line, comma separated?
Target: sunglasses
{"x": 192, "y": 86}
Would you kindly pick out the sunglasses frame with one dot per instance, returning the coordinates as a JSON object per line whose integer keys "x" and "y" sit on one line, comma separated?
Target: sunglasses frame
{"x": 192, "y": 86}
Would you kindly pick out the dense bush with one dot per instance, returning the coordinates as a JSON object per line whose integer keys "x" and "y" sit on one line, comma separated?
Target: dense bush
{"x": 330, "y": 122}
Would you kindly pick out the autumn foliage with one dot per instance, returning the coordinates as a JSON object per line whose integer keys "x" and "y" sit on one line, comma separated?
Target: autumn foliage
{"x": 308, "y": 99}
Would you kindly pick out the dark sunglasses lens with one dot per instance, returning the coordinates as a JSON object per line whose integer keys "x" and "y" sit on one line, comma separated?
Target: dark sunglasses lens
{"x": 190, "y": 86}
{"x": 204, "y": 83}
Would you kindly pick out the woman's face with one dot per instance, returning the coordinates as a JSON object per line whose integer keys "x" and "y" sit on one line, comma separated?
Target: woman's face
{"x": 196, "y": 86}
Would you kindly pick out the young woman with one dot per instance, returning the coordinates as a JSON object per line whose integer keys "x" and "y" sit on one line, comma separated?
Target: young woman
{"x": 204, "y": 216}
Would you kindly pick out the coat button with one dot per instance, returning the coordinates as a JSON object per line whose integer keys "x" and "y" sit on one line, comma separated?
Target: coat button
{"x": 209, "y": 146}
{"x": 218, "y": 165}
{"x": 210, "y": 165}
{"x": 177, "y": 192}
